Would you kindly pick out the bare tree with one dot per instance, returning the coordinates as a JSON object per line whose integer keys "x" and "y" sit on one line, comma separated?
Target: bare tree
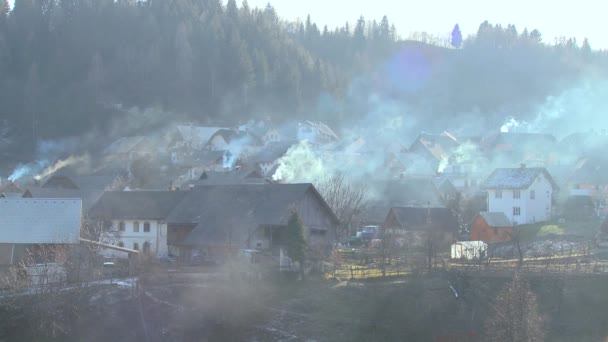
{"x": 346, "y": 200}
{"x": 515, "y": 316}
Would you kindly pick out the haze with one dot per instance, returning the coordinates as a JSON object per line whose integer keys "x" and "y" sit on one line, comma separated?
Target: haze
{"x": 554, "y": 19}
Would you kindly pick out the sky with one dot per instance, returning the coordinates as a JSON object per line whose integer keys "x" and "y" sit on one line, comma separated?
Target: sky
{"x": 553, "y": 18}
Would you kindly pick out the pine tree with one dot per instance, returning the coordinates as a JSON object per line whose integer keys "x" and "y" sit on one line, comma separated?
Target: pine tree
{"x": 586, "y": 48}
{"x": 231, "y": 10}
{"x": 456, "y": 40}
{"x": 359, "y": 33}
{"x": 385, "y": 29}
{"x": 295, "y": 244}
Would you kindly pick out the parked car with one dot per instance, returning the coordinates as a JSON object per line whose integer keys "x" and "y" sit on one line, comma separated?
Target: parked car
{"x": 167, "y": 259}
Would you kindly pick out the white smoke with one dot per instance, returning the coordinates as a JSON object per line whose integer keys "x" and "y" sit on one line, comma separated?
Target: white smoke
{"x": 300, "y": 164}
{"x": 511, "y": 125}
{"x": 237, "y": 149}
{"x": 46, "y": 152}
{"x": 71, "y": 160}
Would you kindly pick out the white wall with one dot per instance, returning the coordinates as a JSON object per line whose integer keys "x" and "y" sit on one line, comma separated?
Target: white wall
{"x": 531, "y": 210}
{"x": 156, "y": 237}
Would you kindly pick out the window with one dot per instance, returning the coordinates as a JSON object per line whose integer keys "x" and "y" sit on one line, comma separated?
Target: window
{"x": 121, "y": 244}
{"x": 146, "y": 227}
{"x": 135, "y": 246}
{"x": 516, "y": 211}
{"x": 498, "y": 194}
{"x": 121, "y": 226}
{"x": 135, "y": 227}
{"x": 532, "y": 194}
{"x": 516, "y": 194}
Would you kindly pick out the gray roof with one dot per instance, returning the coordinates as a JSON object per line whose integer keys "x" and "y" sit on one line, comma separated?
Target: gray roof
{"x": 271, "y": 152}
{"x": 34, "y": 221}
{"x": 269, "y": 202}
{"x": 96, "y": 182}
{"x": 230, "y": 177}
{"x": 125, "y": 205}
{"x": 89, "y": 197}
{"x": 214, "y": 209}
{"x": 496, "y": 219}
{"x": 516, "y": 178}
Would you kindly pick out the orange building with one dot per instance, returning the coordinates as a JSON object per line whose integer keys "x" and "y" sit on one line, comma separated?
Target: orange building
{"x": 491, "y": 227}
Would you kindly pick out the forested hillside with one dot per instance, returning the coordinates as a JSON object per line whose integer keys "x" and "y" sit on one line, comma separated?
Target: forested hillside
{"x": 68, "y": 67}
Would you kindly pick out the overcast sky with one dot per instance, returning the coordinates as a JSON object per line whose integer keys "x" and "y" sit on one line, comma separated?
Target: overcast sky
{"x": 578, "y": 18}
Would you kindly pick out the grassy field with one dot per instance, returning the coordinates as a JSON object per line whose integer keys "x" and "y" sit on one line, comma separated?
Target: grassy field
{"x": 584, "y": 229}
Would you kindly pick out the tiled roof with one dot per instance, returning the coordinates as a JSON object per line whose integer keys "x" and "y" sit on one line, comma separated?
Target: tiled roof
{"x": 496, "y": 219}
{"x": 136, "y": 204}
{"x": 516, "y": 178}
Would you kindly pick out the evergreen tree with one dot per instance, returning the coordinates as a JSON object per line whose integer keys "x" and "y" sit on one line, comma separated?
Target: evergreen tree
{"x": 385, "y": 29}
{"x": 359, "y": 33}
{"x": 456, "y": 39}
{"x": 586, "y": 48}
{"x": 295, "y": 244}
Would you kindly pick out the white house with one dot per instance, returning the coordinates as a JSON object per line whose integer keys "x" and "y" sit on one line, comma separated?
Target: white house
{"x": 523, "y": 194}
{"x": 136, "y": 220}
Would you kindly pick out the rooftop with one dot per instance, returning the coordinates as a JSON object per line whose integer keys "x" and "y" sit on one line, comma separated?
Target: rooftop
{"x": 39, "y": 221}
{"x": 516, "y": 178}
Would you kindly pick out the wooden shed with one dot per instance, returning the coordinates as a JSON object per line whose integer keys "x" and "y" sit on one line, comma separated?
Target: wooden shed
{"x": 491, "y": 227}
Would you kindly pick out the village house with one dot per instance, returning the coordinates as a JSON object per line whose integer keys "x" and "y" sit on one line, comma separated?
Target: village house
{"x": 511, "y": 148}
{"x": 412, "y": 226}
{"x": 435, "y": 148}
{"x": 590, "y": 174}
{"x": 237, "y": 176}
{"x": 215, "y": 220}
{"x": 491, "y": 227}
{"x": 27, "y": 225}
{"x": 524, "y": 195}
{"x": 408, "y": 164}
{"x": 317, "y": 133}
{"x": 136, "y": 220}
{"x": 186, "y": 139}
{"x": 267, "y": 160}
{"x": 191, "y": 167}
